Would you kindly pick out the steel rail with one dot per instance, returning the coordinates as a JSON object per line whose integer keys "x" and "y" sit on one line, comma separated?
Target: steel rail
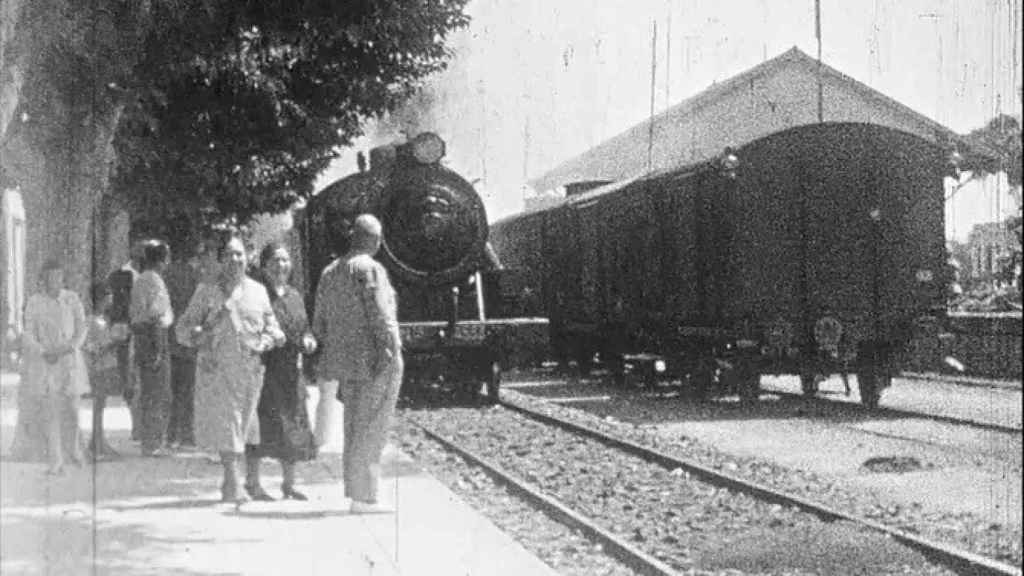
{"x": 959, "y": 560}
{"x": 966, "y": 381}
{"x": 618, "y": 548}
{"x": 889, "y": 411}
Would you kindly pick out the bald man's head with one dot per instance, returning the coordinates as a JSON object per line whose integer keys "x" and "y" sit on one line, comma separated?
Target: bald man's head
{"x": 367, "y": 233}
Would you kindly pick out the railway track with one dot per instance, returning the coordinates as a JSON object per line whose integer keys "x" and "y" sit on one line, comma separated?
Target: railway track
{"x": 899, "y": 412}
{"x": 956, "y": 560}
{"x": 618, "y": 548}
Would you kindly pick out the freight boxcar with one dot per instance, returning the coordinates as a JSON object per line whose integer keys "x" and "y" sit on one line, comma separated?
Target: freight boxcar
{"x": 815, "y": 250}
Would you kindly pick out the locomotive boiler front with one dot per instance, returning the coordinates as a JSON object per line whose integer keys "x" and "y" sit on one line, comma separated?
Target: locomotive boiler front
{"x": 435, "y": 224}
{"x": 450, "y": 291}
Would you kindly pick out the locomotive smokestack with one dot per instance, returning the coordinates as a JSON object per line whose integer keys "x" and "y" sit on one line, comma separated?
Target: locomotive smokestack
{"x": 382, "y": 157}
{"x": 361, "y": 161}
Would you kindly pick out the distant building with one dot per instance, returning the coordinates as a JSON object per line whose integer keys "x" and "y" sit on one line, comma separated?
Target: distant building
{"x": 989, "y": 248}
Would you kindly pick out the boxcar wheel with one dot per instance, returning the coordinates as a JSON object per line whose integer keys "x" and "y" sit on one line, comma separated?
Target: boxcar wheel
{"x": 809, "y": 384}
{"x": 748, "y": 382}
{"x": 869, "y": 393}
{"x": 750, "y": 388}
{"x": 701, "y": 380}
{"x": 872, "y": 376}
{"x": 617, "y": 367}
{"x": 494, "y": 384}
{"x": 584, "y": 363}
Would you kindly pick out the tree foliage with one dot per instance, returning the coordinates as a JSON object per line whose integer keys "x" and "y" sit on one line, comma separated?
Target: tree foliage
{"x": 239, "y": 115}
{"x": 1002, "y": 138}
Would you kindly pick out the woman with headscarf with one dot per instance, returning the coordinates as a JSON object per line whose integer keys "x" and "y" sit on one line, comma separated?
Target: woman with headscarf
{"x": 285, "y": 432}
{"x": 231, "y": 323}
{"x": 55, "y": 374}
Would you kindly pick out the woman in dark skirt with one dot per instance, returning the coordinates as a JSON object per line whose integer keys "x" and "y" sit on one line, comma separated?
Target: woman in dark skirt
{"x": 285, "y": 432}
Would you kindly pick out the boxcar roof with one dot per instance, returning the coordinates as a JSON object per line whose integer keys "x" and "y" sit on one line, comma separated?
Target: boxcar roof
{"x": 586, "y": 199}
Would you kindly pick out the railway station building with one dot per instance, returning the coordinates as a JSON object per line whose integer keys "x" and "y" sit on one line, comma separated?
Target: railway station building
{"x": 777, "y": 94}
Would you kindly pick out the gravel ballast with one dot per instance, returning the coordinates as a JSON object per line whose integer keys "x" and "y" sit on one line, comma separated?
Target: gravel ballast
{"x": 562, "y": 548}
{"x": 693, "y": 526}
{"x": 960, "y": 530}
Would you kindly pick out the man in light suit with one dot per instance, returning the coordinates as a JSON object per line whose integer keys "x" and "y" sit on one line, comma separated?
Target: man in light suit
{"x": 356, "y": 322}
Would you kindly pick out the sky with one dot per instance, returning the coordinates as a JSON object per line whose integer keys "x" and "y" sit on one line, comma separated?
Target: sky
{"x": 536, "y": 82}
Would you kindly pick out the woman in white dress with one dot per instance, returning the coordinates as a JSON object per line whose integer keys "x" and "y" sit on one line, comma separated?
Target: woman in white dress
{"x": 230, "y": 322}
{"x": 55, "y": 374}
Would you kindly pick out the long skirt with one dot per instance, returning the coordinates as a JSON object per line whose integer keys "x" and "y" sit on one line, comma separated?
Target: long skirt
{"x": 285, "y": 431}
{"x": 226, "y": 396}
{"x": 40, "y": 416}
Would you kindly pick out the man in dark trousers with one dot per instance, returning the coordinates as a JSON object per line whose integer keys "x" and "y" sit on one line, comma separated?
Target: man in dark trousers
{"x": 181, "y": 277}
{"x": 120, "y": 282}
{"x": 151, "y": 317}
{"x": 356, "y": 321}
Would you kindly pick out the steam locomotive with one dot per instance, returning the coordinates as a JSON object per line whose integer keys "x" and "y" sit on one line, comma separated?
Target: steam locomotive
{"x": 811, "y": 251}
{"x": 457, "y": 305}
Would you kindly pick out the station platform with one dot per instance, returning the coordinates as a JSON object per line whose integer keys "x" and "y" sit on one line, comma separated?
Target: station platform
{"x": 163, "y": 516}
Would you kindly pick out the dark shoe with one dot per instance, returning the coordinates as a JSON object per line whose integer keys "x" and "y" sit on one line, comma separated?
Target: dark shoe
{"x": 258, "y": 494}
{"x": 290, "y": 493}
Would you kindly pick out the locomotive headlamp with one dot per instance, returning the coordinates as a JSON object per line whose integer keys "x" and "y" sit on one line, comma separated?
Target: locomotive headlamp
{"x": 728, "y": 162}
{"x": 659, "y": 366}
{"x": 954, "y": 161}
{"x": 955, "y": 158}
{"x": 427, "y": 148}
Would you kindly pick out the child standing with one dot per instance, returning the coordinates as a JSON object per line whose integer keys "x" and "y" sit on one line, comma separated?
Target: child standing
{"x": 101, "y": 344}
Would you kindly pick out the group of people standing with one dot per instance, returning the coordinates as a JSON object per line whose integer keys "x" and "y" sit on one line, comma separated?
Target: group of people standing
{"x": 206, "y": 354}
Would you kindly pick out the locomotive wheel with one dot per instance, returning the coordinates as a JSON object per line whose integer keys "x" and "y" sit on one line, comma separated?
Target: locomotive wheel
{"x": 468, "y": 391}
{"x": 808, "y": 384}
{"x": 411, "y": 387}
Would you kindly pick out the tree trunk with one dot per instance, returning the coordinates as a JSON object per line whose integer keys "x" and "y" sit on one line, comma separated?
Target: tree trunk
{"x": 61, "y": 211}
{"x": 11, "y": 71}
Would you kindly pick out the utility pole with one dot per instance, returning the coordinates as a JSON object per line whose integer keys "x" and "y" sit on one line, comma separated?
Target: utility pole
{"x": 654, "y": 71}
{"x": 817, "y": 35}
{"x": 668, "y": 59}
{"x": 526, "y": 152}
